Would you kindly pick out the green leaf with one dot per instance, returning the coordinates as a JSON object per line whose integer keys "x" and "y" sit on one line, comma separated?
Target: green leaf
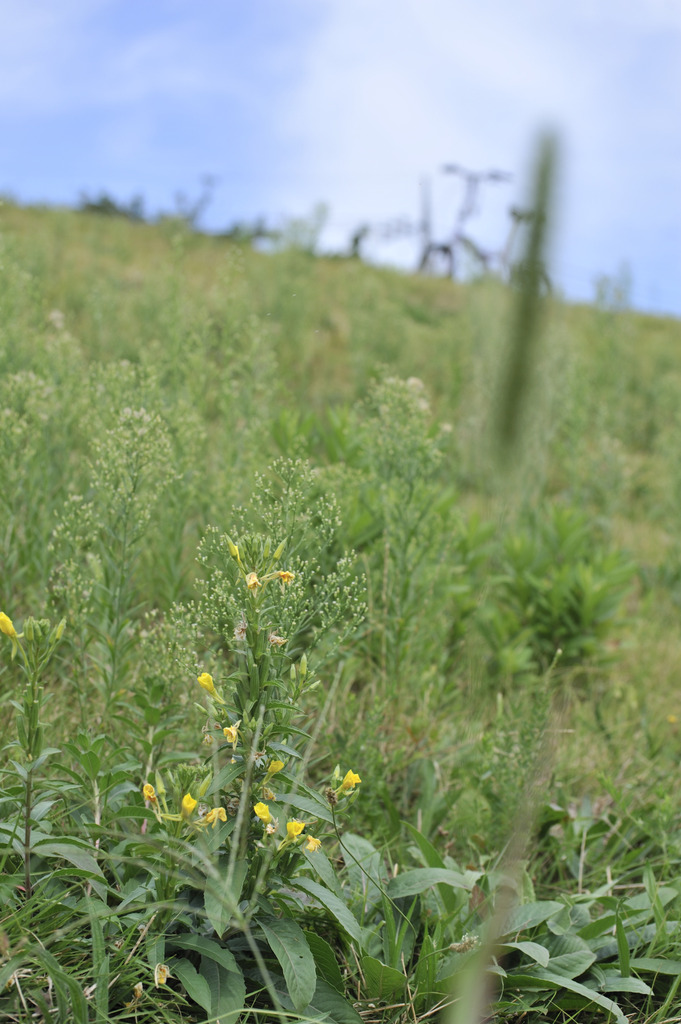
{"x": 364, "y": 866}
{"x": 194, "y": 984}
{"x": 321, "y": 864}
{"x": 221, "y": 895}
{"x": 614, "y": 982}
{"x": 539, "y": 954}
{"x": 326, "y": 1005}
{"x": 558, "y": 982}
{"x": 226, "y": 776}
{"x": 325, "y": 960}
{"x": 531, "y": 914}
{"x": 333, "y": 904}
{"x": 227, "y": 989}
{"x": 207, "y": 948}
{"x": 318, "y": 808}
{"x": 382, "y": 981}
{"x": 411, "y": 883}
{"x": 656, "y": 965}
{"x": 571, "y": 965}
{"x": 622, "y": 947}
{"x": 76, "y": 855}
{"x": 287, "y": 941}
{"x": 433, "y": 860}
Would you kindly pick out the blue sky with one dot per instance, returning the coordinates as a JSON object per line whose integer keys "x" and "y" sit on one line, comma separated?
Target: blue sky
{"x": 352, "y": 102}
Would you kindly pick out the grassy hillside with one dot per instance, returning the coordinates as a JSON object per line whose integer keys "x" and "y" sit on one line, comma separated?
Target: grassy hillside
{"x": 488, "y": 636}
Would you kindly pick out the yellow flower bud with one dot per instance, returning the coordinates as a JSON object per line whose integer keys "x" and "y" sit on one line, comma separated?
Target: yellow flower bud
{"x": 205, "y": 680}
{"x": 7, "y": 627}
{"x": 263, "y": 812}
{"x": 188, "y": 805}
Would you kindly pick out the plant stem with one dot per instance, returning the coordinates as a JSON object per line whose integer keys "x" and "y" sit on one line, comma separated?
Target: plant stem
{"x": 27, "y": 831}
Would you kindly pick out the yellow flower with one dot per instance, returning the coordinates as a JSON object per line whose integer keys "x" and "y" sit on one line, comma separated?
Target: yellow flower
{"x": 205, "y": 680}
{"x": 294, "y": 828}
{"x": 212, "y": 818}
{"x": 285, "y": 576}
{"x": 188, "y": 805}
{"x": 274, "y": 767}
{"x": 672, "y": 719}
{"x": 349, "y": 782}
{"x": 263, "y": 812}
{"x": 312, "y": 844}
{"x": 161, "y": 974}
{"x": 7, "y": 626}
{"x": 232, "y": 732}
{"x": 252, "y": 581}
{"x": 149, "y": 792}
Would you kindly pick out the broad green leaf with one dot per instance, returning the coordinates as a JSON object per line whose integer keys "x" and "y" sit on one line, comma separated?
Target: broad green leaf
{"x": 72, "y": 852}
{"x": 227, "y": 989}
{"x": 287, "y": 941}
{"x": 558, "y": 982}
{"x": 75, "y": 855}
{"x": 365, "y": 870}
{"x": 307, "y": 806}
{"x": 333, "y": 904}
{"x": 411, "y": 883}
{"x": 614, "y": 982}
{"x": 655, "y": 965}
{"x": 194, "y": 984}
{"x": 531, "y": 914}
{"x": 207, "y": 948}
{"x": 539, "y": 954}
{"x": 433, "y": 860}
{"x": 428, "y": 851}
{"x": 326, "y": 1005}
{"x": 325, "y": 960}
{"x": 382, "y": 981}
{"x": 571, "y": 965}
{"x": 321, "y": 864}
{"x": 221, "y": 895}
{"x": 225, "y": 776}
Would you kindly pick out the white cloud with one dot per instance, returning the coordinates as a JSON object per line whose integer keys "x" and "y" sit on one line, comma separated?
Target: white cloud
{"x": 393, "y": 88}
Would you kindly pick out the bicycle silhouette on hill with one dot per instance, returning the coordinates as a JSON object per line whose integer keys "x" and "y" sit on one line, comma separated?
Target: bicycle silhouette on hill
{"x": 461, "y": 242}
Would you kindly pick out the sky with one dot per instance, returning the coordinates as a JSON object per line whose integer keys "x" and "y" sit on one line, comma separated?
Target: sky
{"x": 355, "y": 103}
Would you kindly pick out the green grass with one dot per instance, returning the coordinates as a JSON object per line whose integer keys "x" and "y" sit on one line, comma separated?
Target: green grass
{"x": 157, "y": 384}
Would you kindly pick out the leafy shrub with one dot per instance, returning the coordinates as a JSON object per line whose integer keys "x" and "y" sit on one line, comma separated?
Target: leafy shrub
{"x": 558, "y": 595}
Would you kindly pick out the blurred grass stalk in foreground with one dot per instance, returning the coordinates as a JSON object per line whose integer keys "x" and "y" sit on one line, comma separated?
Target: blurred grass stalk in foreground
{"x": 474, "y": 995}
{"x": 525, "y": 324}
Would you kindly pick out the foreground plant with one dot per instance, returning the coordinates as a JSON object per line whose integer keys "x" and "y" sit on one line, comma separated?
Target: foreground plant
{"x": 35, "y": 647}
{"x": 237, "y": 835}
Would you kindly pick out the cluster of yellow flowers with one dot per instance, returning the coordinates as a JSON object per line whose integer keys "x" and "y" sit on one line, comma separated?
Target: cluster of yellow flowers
{"x": 187, "y": 808}
{"x": 293, "y": 828}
